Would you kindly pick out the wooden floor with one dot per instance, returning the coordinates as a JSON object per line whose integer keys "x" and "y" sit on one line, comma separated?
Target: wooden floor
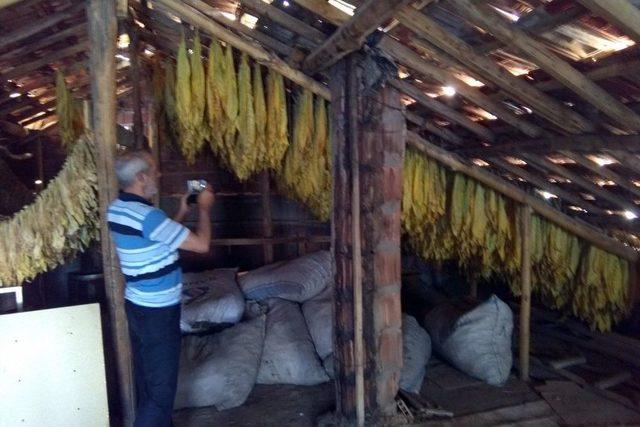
{"x": 473, "y": 403}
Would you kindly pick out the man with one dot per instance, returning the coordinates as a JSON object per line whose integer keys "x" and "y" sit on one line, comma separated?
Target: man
{"x": 146, "y": 242}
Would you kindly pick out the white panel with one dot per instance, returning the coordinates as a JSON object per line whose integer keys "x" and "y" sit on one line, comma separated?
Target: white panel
{"x": 52, "y": 368}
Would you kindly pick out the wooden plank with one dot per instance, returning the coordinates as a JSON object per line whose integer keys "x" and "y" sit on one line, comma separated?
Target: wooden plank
{"x": 619, "y": 68}
{"x": 352, "y": 34}
{"x": 525, "y": 293}
{"x": 603, "y": 171}
{"x": 443, "y": 110}
{"x": 253, "y": 49}
{"x": 433, "y": 128}
{"x": 543, "y": 184}
{"x": 24, "y": 69}
{"x": 580, "y": 229}
{"x": 485, "y": 17}
{"x": 577, "y": 143}
{"x": 267, "y": 220}
{"x": 409, "y": 58}
{"x": 36, "y": 27}
{"x": 584, "y": 183}
{"x": 285, "y": 20}
{"x": 541, "y": 103}
{"x": 621, "y": 13}
{"x": 325, "y": 10}
{"x": 46, "y": 41}
{"x": 102, "y": 28}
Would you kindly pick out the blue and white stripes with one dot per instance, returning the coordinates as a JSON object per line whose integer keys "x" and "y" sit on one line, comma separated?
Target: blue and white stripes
{"x": 146, "y": 243}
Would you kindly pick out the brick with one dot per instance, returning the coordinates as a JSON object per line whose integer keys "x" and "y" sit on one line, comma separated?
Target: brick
{"x": 387, "y": 267}
{"x": 390, "y": 350}
{"x": 387, "y": 311}
{"x": 392, "y": 182}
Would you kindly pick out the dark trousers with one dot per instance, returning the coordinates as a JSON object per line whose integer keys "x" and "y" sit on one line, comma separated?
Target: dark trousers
{"x": 155, "y": 348}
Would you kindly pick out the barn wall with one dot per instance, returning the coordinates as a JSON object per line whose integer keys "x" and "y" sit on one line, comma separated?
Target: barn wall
{"x": 237, "y": 213}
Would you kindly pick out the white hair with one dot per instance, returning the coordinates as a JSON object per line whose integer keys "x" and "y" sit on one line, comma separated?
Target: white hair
{"x": 130, "y": 164}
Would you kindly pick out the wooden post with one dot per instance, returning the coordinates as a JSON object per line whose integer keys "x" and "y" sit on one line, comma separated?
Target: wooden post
{"x": 267, "y": 223}
{"x": 101, "y": 15}
{"x": 154, "y": 141}
{"x": 368, "y": 151}
{"x": 525, "y": 297}
{"x": 136, "y": 79}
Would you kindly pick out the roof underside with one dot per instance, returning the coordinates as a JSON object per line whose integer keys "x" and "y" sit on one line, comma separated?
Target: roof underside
{"x": 544, "y": 93}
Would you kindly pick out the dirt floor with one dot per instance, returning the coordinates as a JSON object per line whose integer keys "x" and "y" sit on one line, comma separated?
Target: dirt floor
{"x": 473, "y": 403}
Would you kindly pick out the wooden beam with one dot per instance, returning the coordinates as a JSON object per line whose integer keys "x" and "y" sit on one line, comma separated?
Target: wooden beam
{"x": 409, "y": 58}
{"x": 619, "y": 68}
{"x": 538, "y": 22}
{"x": 433, "y": 128}
{"x": 325, "y": 10}
{"x": 443, "y": 110}
{"x": 352, "y": 34}
{"x": 253, "y": 49}
{"x": 599, "y": 192}
{"x": 524, "y": 320}
{"x": 579, "y": 228}
{"x": 34, "y": 28}
{"x": 285, "y": 20}
{"x": 46, "y": 41}
{"x": 545, "y": 185}
{"x": 621, "y": 13}
{"x": 541, "y": 103}
{"x": 25, "y": 69}
{"x": 577, "y": 143}
{"x": 485, "y": 17}
{"x": 262, "y": 38}
{"x": 603, "y": 171}
{"x": 102, "y": 28}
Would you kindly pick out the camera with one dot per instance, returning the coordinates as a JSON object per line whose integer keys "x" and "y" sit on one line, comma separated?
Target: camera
{"x": 195, "y": 187}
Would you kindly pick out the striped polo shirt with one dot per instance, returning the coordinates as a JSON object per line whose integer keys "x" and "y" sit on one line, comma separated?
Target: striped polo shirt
{"x": 147, "y": 244}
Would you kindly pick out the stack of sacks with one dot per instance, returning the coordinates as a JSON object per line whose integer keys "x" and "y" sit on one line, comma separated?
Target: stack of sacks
{"x": 318, "y": 313}
{"x": 476, "y": 340}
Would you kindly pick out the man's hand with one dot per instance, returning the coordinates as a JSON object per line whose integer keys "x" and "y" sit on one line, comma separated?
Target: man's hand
{"x": 183, "y": 210}
{"x": 206, "y": 198}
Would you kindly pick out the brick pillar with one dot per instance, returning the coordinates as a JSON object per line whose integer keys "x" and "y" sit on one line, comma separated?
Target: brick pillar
{"x": 368, "y": 141}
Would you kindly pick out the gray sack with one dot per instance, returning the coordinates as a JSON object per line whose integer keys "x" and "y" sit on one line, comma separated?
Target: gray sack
{"x": 220, "y": 369}
{"x": 288, "y": 356}
{"x": 297, "y": 280}
{"x": 476, "y": 341}
{"x": 209, "y": 298}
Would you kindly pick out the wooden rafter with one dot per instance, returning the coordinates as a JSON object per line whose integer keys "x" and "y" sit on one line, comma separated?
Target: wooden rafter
{"x": 443, "y": 110}
{"x": 538, "y": 101}
{"x": 620, "y": 13}
{"x": 43, "y": 42}
{"x": 543, "y": 184}
{"x": 352, "y": 34}
{"x": 617, "y": 69}
{"x": 596, "y": 190}
{"x": 581, "y": 143}
{"x": 433, "y": 128}
{"x": 485, "y": 17}
{"x": 41, "y": 25}
{"x": 285, "y": 20}
{"x": 25, "y": 69}
{"x": 603, "y": 171}
{"x": 254, "y": 50}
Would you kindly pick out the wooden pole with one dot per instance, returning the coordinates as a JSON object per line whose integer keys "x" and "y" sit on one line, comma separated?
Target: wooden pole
{"x": 267, "y": 222}
{"x": 136, "y": 79}
{"x": 525, "y": 297}
{"x": 352, "y": 111}
{"x": 102, "y": 33}
{"x": 154, "y": 142}
{"x": 580, "y": 229}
